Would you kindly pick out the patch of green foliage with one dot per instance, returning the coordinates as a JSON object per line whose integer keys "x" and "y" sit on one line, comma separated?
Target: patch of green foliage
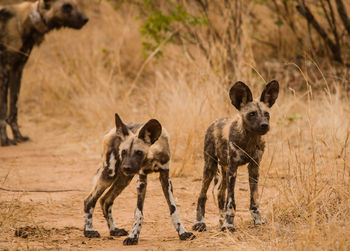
{"x": 162, "y": 25}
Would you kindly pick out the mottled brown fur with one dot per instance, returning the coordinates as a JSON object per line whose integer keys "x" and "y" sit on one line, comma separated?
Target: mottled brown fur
{"x": 234, "y": 142}
{"x": 22, "y": 26}
{"x": 129, "y": 150}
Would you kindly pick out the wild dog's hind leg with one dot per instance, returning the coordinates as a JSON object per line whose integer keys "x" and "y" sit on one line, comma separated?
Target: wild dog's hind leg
{"x": 107, "y": 200}
{"x": 209, "y": 171}
{"x": 4, "y": 83}
{"x": 102, "y": 181}
{"x": 253, "y": 170}
{"x": 15, "y": 85}
{"x": 133, "y": 237}
{"x": 169, "y": 196}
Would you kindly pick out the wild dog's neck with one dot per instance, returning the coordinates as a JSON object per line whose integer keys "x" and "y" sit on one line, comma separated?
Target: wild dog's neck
{"x": 37, "y": 20}
{"x": 34, "y": 29}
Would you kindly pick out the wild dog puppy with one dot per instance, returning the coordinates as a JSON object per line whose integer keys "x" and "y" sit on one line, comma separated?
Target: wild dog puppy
{"x": 131, "y": 149}
{"x": 232, "y": 143}
{"x": 21, "y": 27}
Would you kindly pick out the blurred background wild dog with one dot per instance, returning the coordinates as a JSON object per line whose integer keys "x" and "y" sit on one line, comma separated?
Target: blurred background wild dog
{"x": 23, "y": 26}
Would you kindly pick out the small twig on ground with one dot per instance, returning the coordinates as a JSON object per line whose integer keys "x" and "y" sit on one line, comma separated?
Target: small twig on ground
{"x": 40, "y": 191}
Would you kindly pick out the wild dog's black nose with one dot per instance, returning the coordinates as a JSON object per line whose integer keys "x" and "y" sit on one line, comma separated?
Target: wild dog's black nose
{"x": 127, "y": 169}
{"x": 85, "y": 20}
{"x": 264, "y": 126}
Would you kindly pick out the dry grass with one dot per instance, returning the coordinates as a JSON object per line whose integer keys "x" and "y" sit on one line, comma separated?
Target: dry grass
{"x": 76, "y": 81}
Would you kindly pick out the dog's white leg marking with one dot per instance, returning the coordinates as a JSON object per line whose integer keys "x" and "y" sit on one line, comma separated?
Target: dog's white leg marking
{"x": 100, "y": 183}
{"x": 110, "y": 220}
{"x": 230, "y": 206}
{"x": 88, "y": 220}
{"x": 174, "y": 213}
{"x": 111, "y": 165}
{"x": 169, "y": 196}
{"x": 88, "y": 215}
{"x": 200, "y": 221}
{"x": 138, "y": 221}
{"x": 165, "y": 166}
{"x": 138, "y": 215}
{"x": 230, "y": 212}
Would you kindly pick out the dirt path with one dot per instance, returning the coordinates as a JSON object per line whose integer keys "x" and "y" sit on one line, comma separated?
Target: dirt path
{"x": 54, "y": 220}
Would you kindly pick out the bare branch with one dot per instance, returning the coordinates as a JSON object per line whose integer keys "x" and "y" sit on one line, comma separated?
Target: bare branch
{"x": 343, "y": 15}
{"x": 306, "y": 13}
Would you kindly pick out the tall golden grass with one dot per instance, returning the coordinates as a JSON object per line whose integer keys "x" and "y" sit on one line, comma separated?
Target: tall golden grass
{"x": 75, "y": 82}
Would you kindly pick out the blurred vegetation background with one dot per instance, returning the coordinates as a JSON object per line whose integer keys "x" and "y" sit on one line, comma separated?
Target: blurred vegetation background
{"x": 223, "y": 32}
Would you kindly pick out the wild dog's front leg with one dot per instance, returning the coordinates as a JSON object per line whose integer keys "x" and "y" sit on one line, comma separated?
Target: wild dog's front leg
{"x": 15, "y": 85}
{"x": 107, "y": 200}
{"x": 133, "y": 237}
{"x": 168, "y": 193}
{"x": 4, "y": 140}
{"x": 230, "y": 202}
{"x": 221, "y": 196}
{"x": 253, "y": 170}
{"x": 101, "y": 181}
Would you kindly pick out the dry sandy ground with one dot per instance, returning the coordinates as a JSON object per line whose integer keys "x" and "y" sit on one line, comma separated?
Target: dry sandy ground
{"x": 55, "y": 220}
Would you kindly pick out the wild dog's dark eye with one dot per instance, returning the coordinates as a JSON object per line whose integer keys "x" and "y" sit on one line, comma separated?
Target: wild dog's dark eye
{"x": 67, "y": 8}
{"x": 139, "y": 153}
{"x": 266, "y": 114}
{"x": 252, "y": 114}
{"x": 123, "y": 152}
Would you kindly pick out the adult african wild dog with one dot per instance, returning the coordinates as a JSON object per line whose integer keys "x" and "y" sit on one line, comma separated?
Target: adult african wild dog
{"x": 234, "y": 142}
{"x": 21, "y": 27}
{"x": 131, "y": 149}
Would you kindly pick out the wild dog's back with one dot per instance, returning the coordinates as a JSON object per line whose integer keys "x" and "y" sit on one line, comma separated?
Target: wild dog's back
{"x": 222, "y": 134}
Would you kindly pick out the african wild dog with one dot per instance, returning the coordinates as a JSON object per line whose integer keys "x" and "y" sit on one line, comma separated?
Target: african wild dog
{"x": 131, "y": 149}
{"x": 234, "y": 142}
{"x": 21, "y": 27}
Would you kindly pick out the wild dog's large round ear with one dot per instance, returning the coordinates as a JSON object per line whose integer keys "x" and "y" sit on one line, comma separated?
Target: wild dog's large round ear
{"x": 151, "y": 131}
{"x": 120, "y": 127}
{"x": 270, "y": 93}
{"x": 240, "y": 95}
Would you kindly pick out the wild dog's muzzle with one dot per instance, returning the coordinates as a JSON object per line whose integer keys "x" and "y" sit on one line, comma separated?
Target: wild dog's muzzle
{"x": 263, "y": 128}
{"x": 128, "y": 170}
{"x": 78, "y": 21}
